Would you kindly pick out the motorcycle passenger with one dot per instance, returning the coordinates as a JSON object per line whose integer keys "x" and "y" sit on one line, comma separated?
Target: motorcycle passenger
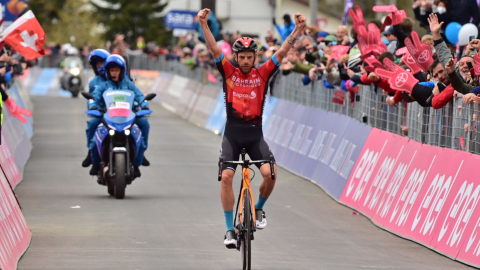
{"x": 97, "y": 61}
{"x": 117, "y": 79}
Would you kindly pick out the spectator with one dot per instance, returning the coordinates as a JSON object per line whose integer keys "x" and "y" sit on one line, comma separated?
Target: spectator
{"x": 444, "y": 56}
{"x": 377, "y": 23}
{"x": 402, "y": 31}
{"x": 342, "y": 35}
{"x": 321, "y": 37}
{"x": 287, "y": 29}
{"x": 140, "y": 43}
{"x": 392, "y": 39}
{"x": 429, "y": 40}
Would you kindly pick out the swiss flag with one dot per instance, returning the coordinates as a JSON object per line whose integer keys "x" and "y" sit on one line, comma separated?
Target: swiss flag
{"x": 26, "y": 36}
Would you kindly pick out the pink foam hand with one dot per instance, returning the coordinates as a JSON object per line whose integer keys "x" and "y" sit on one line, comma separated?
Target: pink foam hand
{"x": 408, "y": 60}
{"x": 421, "y": 52}
{"x": 338, "y": 51}
{"x": 476, "y": 57}
{"x": 397, "y": 16}
{"x": 357, "y": 17}
{"x": 385, "y": 8}
{"x": 398, "y": 78}
{"x": 401, "y": 51}
{"x": 373, "y": 64}
{"x": 370, "y": 42}
{"x": 17, "y": 111}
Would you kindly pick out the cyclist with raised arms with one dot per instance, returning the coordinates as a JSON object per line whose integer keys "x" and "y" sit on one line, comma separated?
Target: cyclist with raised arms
{"x": 244, "y": 90}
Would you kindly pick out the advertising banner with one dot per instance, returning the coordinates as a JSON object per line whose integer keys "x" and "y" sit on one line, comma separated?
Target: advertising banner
{"x": 14, "y": 232}
{"x": 313, "y": 131}
{"x": 161, "y": 86}
{"x": 275, "y": 128}
{"x": 218, "y": 116}
{"x": 424, "y": 193}
{"x": 345, "y": 156}
{"x": 188, "y": 98}
{"x": 173, "y": 93}
{"x": 10, "y": 9}
{"x": 145, "y": 79}
{"x": 288, "y": 143}
{"x": 7, "y": 161}
{"x": 270, "y": 103}
{"x": 203, "y": 105}
{"x": 17, "y": 139}
{"x": 180, "y": 19}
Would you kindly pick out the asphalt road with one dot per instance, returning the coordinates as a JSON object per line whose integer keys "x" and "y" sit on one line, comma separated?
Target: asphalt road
{"x": 172, "y": 218}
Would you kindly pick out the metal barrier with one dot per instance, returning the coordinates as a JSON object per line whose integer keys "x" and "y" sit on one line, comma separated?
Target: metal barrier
{"x": 454, "y": 126}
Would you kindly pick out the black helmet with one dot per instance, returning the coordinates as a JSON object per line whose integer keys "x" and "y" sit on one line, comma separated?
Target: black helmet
{"x": 245, "y": 44}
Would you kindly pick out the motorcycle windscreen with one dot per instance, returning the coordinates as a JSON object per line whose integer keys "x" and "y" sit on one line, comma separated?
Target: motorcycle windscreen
{"x": 119, "y": 106}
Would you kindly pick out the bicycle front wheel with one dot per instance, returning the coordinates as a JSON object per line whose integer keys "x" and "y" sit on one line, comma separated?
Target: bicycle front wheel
{"x": 246, "y": 246}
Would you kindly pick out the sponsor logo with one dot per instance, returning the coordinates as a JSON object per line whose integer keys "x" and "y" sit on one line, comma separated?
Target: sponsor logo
{"x": 401, "y": 79}
{"x": 459, "y": 213}
{"x": 424, "y": 57}
{"x": 363, "y": 172}
{"x": 125, "y": 93}
{"x": 246, "y": 82}
{"x": 409, "y": 195}
{"x": 240, "y": 95}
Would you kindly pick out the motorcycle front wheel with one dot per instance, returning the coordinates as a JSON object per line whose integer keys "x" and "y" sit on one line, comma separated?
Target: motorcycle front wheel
{"x": 120, "y": 175}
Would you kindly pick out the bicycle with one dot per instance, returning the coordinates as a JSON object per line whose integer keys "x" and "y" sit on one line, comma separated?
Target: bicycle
{"x": 246, "y": 214}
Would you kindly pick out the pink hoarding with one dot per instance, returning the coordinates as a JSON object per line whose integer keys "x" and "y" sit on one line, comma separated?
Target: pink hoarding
{"x": 14, "y": 232}
{"x": 424, "y": 193}
{"x": 8, "y": 164}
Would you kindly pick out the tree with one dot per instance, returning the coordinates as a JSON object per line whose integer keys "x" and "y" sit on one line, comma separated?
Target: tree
{"x": 133, "y": 19}
{"x": 62, "y": 19}
{"x": 46, "y": 12}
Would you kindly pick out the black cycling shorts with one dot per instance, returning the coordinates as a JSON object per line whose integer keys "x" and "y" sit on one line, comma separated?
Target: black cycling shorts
{"x": 250, "y": 138}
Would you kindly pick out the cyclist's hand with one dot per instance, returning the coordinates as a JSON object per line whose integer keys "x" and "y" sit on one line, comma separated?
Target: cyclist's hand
{"x": 300, "y": 22}
{"x": 203, "y": 15}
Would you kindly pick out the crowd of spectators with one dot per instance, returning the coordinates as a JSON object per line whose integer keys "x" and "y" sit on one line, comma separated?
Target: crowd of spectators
{"x": 341, "y": 63}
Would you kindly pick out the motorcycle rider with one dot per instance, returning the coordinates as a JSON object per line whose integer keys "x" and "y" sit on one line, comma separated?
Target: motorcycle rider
{"x": 97, "y": 61}
{"x": 115, "y": 69}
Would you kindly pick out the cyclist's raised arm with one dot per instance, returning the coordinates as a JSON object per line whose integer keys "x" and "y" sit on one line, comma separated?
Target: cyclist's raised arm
{"x": 300, "y": 22}
{"x": 209, "y": 39}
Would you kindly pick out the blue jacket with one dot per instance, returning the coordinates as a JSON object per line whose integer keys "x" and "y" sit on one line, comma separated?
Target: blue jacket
{"x": 285, "y": 31}
{"x": 476, "y": 90}
{"x": 125, "y": 84}
{"x": 95, "y": 82}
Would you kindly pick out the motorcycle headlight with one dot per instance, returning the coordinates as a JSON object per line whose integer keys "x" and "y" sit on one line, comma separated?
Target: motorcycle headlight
{"x": 111, "y": 132}
{"x": 75, "y": 71}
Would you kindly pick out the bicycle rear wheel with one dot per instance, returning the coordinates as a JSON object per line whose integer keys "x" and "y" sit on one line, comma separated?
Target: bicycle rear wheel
{"x": 246, "y": 246}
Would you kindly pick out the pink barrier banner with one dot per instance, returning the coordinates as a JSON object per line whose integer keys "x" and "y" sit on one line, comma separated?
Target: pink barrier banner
{"x": 424, "y": 193}
{"x": 14, "y": 232}
{"x": 7, "y": 161}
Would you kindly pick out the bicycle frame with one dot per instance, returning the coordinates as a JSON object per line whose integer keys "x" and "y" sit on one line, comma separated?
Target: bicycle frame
{"x": 246, "y": 188}
{"x": 246, "y": 178}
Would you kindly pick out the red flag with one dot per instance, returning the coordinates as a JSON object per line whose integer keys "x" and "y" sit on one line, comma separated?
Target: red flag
{"x": 26, "y": 36}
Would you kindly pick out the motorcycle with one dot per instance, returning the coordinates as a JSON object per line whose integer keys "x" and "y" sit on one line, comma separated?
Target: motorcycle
{"x": 118, "y": 138}
{"x": 71, "y": 79}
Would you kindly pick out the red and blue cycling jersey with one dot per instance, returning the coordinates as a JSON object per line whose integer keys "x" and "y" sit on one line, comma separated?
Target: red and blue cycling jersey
{"x": 245, "y": 93}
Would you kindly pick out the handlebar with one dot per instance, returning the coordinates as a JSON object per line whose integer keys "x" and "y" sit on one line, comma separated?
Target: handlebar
{"x": 246, "y": 164}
